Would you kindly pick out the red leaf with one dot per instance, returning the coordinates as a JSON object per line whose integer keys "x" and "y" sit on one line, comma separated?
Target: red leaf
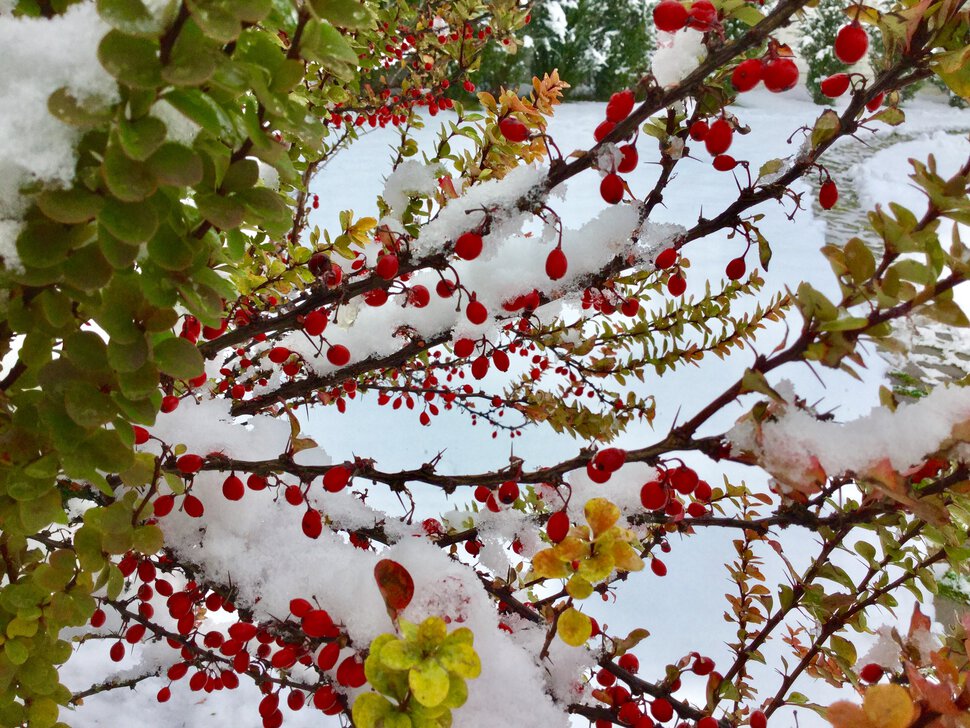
{"x": 395, "y": 583}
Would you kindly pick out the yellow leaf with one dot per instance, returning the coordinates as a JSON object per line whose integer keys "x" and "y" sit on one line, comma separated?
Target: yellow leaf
{"x": 889, "y": 706}
{"x": 844, "y": 714}
{"x": 570, "y": 549}
{"x": 601, "y": 514}
{"x": 574, "y": 627}
{"x": 626, "y": 558}
{"x": 578, "y": 588}
{"x": 546, "y": 565}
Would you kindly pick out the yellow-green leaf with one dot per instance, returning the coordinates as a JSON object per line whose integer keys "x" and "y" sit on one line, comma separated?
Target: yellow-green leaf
{"x": 574, "y": 627}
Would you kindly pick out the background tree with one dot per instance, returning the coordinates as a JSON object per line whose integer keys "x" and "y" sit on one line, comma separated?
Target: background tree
{"x": 170, "y": 311}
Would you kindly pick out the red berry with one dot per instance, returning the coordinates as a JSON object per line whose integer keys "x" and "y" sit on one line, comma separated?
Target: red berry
{"x": 476, "y": 312}
{"x": 163, "y": 505}
{"x": 747, "y": 74}
{"x": 558, "y": 526}
{"x": 658, "y": 567}
{"x": 707, "y": 722}
{"x": 669, "y": 16}
{"x": 513, "y": 129}
{"x": 480, "y": 367}
{"x": 653, "y": 495}
{"x": 336, "y": 479}
{"x": 703, "y": 491}
{"x": 464, "y": 348}
{"x": 630, "y": 307}
{"x": 233, "y": 488}
{"x": 662, "y": 710}
{"x": 676, "y": 285}
{"x": 836, "y": 85}
{"x": 871, "y": 673}
{"x": 698, "y": 131}
{"x": 724, "y": 163}
{"x": 630, "y": 159}
{"x": 169, "y": 403}
{"x": 376, "y": 297}
{"x": 597, "y": 473}
{"x": 164, "y": 695}
{"x": 338, "y": 355}
{"x": 629, "y": 662}
{"x": 611, "y": 188}
{"x": 601, "y": 131}
{"x": 279, "y": 354}
{"x": 312, "y": 524}
{"x": 828, "y": 195}
{"x": 629, "y": 713}
{"x": 508, "y": 492}
{"x": 666, "y": 259}
{"x": 316, "y": 623}
{"x": 605, "y": 678}
{"x": 758, "y": 720}
{"x": 387, "y": 266}
{"x": 611, "y": 459}
{"x": 117, "y": 651}
{"x": 875, "y": 102}
{"x": 556, "y": 264}
{"x": 298, "y": 608}
{"x": 703, "y": 665}
{"x": 193, "y": 507}
{"x": 469, "y": 246}
{"x": 189, "y": 464}
{"x": 445, "y": 288}
{"x": 780, "y": 75}
{"x": 735, "y": 269}
{"x": 719, "y": 137}
{"x": 702, "y": 14}
{"x": 419, "y": 296}
{"x": 98, "y": 618}
{"x": 851, "y": 43}
{"x": 620, "y": 105}
{"x": 256, "y": 482}
{"x": 141, "y": 435}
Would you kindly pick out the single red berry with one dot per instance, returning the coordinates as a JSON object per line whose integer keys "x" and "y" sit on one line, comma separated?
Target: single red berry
{"x": 338, "y": 355}
{"x": 312, "y": 524}
{"x": 298, "y": 608}
{"x": 698, "y": 131}
{"x": 98, "y": 618}
{"x": 419, "y": 296}
{"x": 875, "y": 102}
{"x": 256, "y": 482}
{"x": 164, "y": 695}
{"x": 662, "y": 710}
{"x": 556, "y": 264}
{"x": 445, "y": 288}
{"x": 476, "y": 313}
{"x": 611, "y": 188}
{"x": 653, "y": 495}
{"x": 836, "y": 85}
{"x": 719, "y": 137}
{"x": 629, "y": 713}
{"x": 724, "y": 163}
{"x": 279, "y": 354}
{"x": 336, "y": 479}
{"x": 758, "y": 720}
{"x": 193, "y": 506}
{"x": 469, "y": 246}
{"x": 376, "y": 297}
{"x": 601, "y": 131}
{"x": 117, "y": 651}
{"x": 747, "y": 74}
{"x": 508, "y": 492}
{"x": 620, "y": 105}
{"x": 464, "y": 348}
{"x": 871, "y": 673}
{"x": 611, "y": 459}
{"x": 707, "y": 721}
{"x": 851, "y": 43}
{"x": 828, "y": 195}
{"x": 233, "y": 488}
{"x": 387, "y": 266}
{"x": 630, "y": 159}
{"x": 189, "y": 464}
{"x": 669, "y": 16}
{"x": 630, "y": 307}
{"x": 703, "y": 491}
{"x": 316, "y": 623}
{"x": 667, "y": 258}
{"x": 605, "y": 678}
{"x": 169, "y": 403}
{"x": 480, "y": 367}
{"x": 629, "y": 662}
{"x": 702, "y": 14}
{"x": 141, "y": 435}
{"x": 703, "y": 665}
{"x": 513, "y": 129}
{"x": 597, "y": 473}
{"x": 780, "y": 74}
{"x": 558, "y": 526}
{"x": 676, "y": 285}
{"x": 163, "y": 505}
{"x": 658, "y": 567}
{"x": 735, "y": 269}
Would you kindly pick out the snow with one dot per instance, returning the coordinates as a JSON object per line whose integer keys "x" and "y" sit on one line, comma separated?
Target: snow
{"x": 558, "y": 23}
{"x": 41, "y": 56}
{"x": 677, "y": 55}
{"x": 257, "y": 544}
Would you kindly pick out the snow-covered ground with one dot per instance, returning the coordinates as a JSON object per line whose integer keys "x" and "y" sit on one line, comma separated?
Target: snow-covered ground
{"x": 683, "y": 611}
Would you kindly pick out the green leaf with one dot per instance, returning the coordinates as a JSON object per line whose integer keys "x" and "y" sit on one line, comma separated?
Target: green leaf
{"x": 148, "y": 539}
{"x": 176, "y": 164}
{"x": 343, "y": 13}
{"x": 140, "y": 138}
{"x": 202, "y": 109}
{"x": 172, "y": 251}
{"x": 132, "y": 222}
{"x": 65, "y": 107}
{"x": 324, "y": 44}
{"x": 133, "y": 61}
{"x": 269, "y": 208}
{"x": 859, "y": 260}
{"x": 399, "y": 655}
{"x": 87, "y": 405}
{"x": 194, "y": 58}
{"x": 16, "y": 651}
{"x": 130, "y": 17}
{"x": 225, "y": 213}
{"x": 179, "y": 358}
{"x": 826, "y": 127}
{"x": 369, "y": 709}
{"x": 69, "y": 206}
{"x": 429, "y": 683}
{"x": 128, "y": 180}
{"x": 844, "y": 649}
{"x": 215, "y": 21}
{"x": 461, "y": 659}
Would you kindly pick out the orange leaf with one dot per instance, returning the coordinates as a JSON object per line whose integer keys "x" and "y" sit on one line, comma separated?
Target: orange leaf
{"x": 395, "y": 583}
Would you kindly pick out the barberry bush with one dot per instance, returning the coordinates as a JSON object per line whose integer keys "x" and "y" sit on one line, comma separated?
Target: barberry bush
{"x": 180, "y": 339}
